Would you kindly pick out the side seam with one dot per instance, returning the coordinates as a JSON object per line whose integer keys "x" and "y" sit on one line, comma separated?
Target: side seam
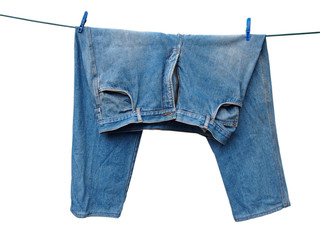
{"x": 271, "y": 119}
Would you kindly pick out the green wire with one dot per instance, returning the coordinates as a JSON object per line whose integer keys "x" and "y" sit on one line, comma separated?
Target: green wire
{"x": 61, "y": 25}
{"x": 290, "y": 34}
{"x": 30, "y": 20}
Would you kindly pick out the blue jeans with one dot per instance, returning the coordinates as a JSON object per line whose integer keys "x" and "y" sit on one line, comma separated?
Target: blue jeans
{"x": 218, "y": 86}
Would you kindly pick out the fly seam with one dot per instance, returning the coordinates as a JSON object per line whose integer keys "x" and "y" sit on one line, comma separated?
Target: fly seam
{"x": 94, "y": 68}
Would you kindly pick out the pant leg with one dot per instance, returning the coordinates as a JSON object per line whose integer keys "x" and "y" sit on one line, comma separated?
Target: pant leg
{"x": 102, "y": 164}
{"x": 250, "y": 162}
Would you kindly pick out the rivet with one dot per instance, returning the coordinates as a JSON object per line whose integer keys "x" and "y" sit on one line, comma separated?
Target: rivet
{"x": 234, "y": 124}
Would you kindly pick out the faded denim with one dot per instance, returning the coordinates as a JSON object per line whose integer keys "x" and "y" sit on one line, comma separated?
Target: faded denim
{"x": 218, "y": 86}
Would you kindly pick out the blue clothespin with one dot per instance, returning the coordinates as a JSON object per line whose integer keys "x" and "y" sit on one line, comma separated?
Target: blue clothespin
{"x": 84, "y": 19}
{"x": 248, "y": 29}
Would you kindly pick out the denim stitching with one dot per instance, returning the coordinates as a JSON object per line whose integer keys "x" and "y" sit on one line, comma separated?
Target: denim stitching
{"x": 268, "y": 100}
{"x": 115, "y": 119}
{"x": 145, "y": 113}
{"x": 164, "y": 81}
{"x": 94, "y": 75}
{"x": 127, "y": 115}
{"x": 260, "y": 214}
{"x": 169, "y": 78}
{"x": 221, "y": 130}
{"x": 170, "y": 85}
{"x": 93, "y": 67}
{"x": 192, "y": 114}
{"x": 91, "y": 213}
{"x": 108, "y": 130}
{"x": 130, "y": 114}
{"x": 214, "y": 137}
{"x": 227, "y": 123}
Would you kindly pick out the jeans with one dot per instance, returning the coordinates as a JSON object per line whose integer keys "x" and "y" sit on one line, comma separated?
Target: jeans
{"x": 218, "y": 86}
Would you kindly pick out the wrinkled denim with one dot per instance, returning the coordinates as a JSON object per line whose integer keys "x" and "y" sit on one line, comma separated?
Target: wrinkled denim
{"x": 218, "y": 86}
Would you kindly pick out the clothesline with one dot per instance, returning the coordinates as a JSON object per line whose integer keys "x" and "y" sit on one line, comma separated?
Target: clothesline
{"x": 69, "y": 26}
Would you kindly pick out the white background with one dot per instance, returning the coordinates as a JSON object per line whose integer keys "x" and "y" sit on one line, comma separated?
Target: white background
{"x": 176, "y": 191}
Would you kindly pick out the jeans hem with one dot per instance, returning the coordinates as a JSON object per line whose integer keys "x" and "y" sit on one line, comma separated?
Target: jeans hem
{"x": 278, "y": 208}
{"x": 94, "y": 214}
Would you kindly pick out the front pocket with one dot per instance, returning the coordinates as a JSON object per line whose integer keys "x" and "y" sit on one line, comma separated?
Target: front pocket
{"x": 227, "y": 116}
{"x": 114, "y": 102}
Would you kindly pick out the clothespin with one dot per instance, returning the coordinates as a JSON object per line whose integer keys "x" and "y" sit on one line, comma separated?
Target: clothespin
{"x": 84, "y": 19}
{"x": 248, "y": 29}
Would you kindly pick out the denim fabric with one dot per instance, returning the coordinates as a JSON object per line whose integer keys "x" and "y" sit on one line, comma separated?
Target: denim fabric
{"x": 218, "y": 86}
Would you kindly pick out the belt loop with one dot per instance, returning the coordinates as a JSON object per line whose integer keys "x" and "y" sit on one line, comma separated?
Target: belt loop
{"x": 206, "y": 122}
{"x": 139, "y": 115}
